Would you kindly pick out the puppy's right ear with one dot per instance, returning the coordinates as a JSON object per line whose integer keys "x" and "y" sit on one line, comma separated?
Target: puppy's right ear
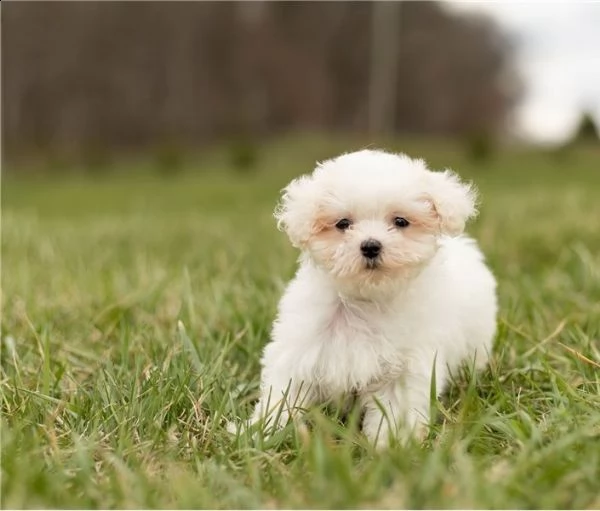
{"x": 295, "y": 212}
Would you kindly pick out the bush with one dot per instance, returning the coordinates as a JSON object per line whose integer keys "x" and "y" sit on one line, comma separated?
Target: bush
{"x": 243, "y": 155}
{"x": 169, "y": 159}
{"x": 479, "y": 147}
{"x": 587, "y": 130}
{"x": 96, "y": 159}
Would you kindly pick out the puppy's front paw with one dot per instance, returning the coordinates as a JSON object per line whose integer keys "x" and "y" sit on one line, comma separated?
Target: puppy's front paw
{"x": 233, "y": 427}
{"x": 376, "y": 429}
{"x": 268, "y": 424}
{"x": 401, "y": 435}
{"x": 382, "y": 433}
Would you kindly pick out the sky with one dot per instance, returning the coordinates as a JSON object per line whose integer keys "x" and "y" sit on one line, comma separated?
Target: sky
{"x": 558, "y": 55}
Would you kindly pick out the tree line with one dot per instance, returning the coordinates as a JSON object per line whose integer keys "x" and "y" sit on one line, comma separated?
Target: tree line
{"x": 129, "y": 75}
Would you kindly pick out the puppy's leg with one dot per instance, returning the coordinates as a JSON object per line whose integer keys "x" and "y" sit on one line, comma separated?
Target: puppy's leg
{"x": 399, "y": 410}
{"x": 394, "y": 412}
{"x": 279, "y": 402}
{"x": 482, "y": 358}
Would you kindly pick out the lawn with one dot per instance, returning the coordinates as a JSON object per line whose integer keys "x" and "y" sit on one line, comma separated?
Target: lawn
{"x": 135, "y": 306}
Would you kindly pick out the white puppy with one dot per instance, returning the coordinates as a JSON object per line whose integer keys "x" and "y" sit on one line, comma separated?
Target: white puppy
{"x": 386, "y": 289}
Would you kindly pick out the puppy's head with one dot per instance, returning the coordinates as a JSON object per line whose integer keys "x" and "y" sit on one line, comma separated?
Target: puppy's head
{"x": 370, "y": 217}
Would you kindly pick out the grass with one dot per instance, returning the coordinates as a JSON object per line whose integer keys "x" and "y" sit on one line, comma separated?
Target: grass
{"x": 108, "y": 403}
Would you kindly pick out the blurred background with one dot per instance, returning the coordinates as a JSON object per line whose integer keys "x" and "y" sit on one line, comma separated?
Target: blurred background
{"x": 86, "y": 83}
{"x": 144, "y": 147}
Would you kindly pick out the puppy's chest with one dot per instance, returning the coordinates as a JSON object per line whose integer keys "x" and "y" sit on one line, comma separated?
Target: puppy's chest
{"x": 356, "y": 349}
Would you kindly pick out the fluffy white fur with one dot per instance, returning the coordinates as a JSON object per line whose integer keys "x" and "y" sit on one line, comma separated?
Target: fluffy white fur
{"x": 345, "y": 326}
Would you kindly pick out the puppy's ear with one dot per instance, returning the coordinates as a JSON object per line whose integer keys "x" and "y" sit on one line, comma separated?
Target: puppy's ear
{"x": 296, "y": 209}
{"x": 453, "y": 202}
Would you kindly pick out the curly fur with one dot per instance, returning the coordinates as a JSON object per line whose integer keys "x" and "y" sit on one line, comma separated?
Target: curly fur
{"x": 344, "y": 326}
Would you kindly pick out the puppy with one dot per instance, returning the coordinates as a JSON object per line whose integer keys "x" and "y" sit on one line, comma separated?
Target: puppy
{"x": 386, "y": 291}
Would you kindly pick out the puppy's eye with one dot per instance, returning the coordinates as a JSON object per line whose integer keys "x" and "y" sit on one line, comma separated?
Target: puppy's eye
{"x": 401, "y": 222}
{"x": 343, "y": 224}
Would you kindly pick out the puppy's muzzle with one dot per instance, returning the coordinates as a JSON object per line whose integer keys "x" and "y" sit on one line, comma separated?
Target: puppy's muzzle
{"x": 370, "y": 248}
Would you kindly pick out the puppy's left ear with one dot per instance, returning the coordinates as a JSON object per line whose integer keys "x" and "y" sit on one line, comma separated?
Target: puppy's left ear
{"x": 453, "y": 202}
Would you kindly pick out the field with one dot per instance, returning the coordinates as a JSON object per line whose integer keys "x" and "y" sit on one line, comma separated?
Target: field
{"x": 108, "y": 403}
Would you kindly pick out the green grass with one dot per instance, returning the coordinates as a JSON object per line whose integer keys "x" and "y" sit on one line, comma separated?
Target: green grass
{"x": 107, "y": 403}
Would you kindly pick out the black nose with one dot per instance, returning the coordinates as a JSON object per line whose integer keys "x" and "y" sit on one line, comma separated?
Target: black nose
{"x": 370, "y": 248}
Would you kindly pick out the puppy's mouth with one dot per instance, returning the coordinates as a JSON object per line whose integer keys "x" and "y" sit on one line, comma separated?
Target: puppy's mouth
{"x": 372, "y": 264}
